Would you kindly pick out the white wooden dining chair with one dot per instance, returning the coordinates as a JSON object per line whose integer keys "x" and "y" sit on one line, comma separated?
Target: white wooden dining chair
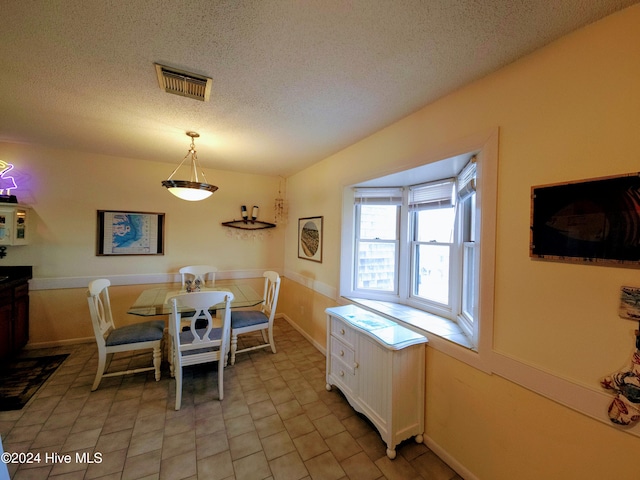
{"x": 198, "y": 272}
{"x": 112, "y": 339}
{"x": 199, "y": 345}
{"x": 245, "y": 321}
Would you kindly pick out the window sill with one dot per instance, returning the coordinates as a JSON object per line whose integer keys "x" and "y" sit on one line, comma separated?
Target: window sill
{"x": 426, "y": 323}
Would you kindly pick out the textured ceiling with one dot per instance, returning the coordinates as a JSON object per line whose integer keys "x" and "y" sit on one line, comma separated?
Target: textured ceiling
{"x": 293, "y": 80}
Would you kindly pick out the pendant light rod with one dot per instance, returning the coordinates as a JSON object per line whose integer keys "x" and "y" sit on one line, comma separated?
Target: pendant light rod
{"x": 194, "y": 164}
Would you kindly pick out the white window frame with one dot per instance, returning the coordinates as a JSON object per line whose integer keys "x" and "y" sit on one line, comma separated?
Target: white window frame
{"x": 395, "y": 242}
{"x": 422, "y": 197}
{"x": 485, "y": 146}
{"x": 435, "y": 194}
{"x": 388, "y": 196}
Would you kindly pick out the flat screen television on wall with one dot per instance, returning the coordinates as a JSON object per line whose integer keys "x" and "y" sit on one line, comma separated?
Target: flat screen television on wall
{"x": 587, "y": 221}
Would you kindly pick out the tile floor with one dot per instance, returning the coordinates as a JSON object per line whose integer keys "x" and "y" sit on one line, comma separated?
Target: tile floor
{"x": 277, "y": 421}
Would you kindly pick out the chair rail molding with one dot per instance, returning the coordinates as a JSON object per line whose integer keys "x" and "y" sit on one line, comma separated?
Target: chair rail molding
{"x": 57, "y": 283}
{"x": 328, "y": 291}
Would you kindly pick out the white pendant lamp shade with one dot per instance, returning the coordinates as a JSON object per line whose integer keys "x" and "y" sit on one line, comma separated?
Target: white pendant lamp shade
{"x": 193, "y": 189}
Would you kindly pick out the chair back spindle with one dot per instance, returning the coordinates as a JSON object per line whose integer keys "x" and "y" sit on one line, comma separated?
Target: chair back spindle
{"x": 197, "y": 274}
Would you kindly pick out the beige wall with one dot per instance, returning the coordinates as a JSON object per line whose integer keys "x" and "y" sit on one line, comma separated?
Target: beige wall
{"x": 62, "y": 315}
{"x": 498, "y": 430}
{"x": 570, "y": 111}
{"x": 65, "y": 189}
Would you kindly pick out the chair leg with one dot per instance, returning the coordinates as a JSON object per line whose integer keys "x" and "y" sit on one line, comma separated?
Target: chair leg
{"x": 234, "y": 347}
{"x": 157, "y": 361}
{"x": 102, "y": 360}
{"x": 267, "y": 337}
{"x": 271, "y": 341}
{"x": 172, "y": 353}
{"x": 220, "y": 378}
{"x": 178, "y": 377}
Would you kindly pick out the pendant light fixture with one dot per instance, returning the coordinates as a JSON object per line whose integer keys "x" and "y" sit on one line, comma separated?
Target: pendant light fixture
{"x": 192, "y": 189}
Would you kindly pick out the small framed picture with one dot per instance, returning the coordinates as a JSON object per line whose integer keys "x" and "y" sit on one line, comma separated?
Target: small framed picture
{"x": 130, "y": 233}
{"x": 310, "y": 238}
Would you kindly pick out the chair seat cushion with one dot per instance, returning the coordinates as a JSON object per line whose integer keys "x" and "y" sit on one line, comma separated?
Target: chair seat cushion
{"x": 138, "y": 332}
{"x": 246, "y": 318}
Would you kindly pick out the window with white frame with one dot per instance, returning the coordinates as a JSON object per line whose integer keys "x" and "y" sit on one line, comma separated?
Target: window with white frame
{"x": 377, "y": 242}
{"x": 467, "y": 313}
{"x": 417, "y": 245}
{"x": 432, "y": 221}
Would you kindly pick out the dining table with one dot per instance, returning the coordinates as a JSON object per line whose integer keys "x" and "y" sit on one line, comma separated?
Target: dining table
{"x": 157, "y": 300}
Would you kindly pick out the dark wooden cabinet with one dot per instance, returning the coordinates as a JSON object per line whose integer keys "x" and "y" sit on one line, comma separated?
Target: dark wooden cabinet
{"x": 6, "y": 329}
{"x": 20, "y": 316}
{"x": 14, "y": 317}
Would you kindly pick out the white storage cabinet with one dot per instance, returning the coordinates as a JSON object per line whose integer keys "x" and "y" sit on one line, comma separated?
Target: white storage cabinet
{"x": 379, "y": 367}
{"x": 14, "y": 224}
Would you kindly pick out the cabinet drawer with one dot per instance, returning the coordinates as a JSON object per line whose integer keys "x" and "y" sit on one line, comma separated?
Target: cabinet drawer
{"x": 343, "y": 352}
{"x": 342, "y": 375}
{"x": 344, "y": 333}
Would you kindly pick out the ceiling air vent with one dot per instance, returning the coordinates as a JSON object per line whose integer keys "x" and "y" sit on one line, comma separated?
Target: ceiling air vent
{"x": 185, "y": 84}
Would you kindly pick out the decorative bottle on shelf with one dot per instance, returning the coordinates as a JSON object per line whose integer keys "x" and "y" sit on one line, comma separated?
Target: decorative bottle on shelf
{"x": 244, "y": 213}
{"x": 254, "y": 213}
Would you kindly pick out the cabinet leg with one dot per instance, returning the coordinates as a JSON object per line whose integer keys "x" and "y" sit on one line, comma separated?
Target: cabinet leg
{"x": 328, "y": 387}
{"x": 419, "y": 439}
{"x": 391, "y": 453}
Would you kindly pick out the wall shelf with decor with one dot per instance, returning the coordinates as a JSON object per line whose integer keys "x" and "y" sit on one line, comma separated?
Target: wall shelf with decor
{"x": 248, "y": 225}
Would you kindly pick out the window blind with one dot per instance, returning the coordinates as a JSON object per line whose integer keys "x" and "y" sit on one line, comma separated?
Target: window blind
{"x": 436, "y": 194}
{"x": 466, "y": 181}
{"x": 378, "y": 195}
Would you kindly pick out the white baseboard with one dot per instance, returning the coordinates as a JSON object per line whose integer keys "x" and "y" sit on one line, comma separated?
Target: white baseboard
{"x": 59, "y": 343}
{"x": 448, "y": 459}
{"x": 303, "y": 333}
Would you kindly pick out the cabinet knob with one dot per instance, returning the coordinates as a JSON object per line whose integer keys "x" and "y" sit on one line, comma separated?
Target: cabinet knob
{"x": 342, "y": 353}
{"x": 355, "y": 365}
{"x": 342, "y": 331}
{"x": 341, "y": 373}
